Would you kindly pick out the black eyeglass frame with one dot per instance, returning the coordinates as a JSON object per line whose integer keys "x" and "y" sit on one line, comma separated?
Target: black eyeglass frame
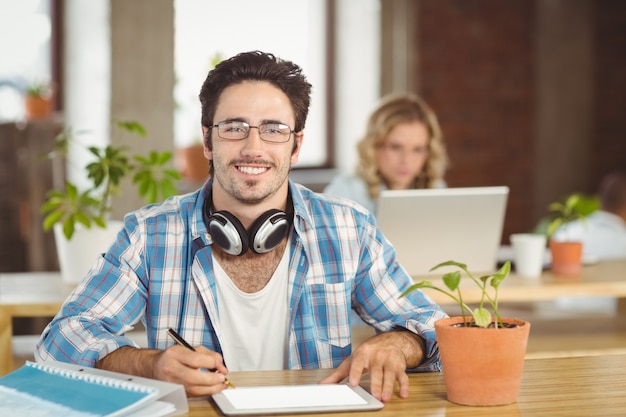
{"x": 247, "y": 128}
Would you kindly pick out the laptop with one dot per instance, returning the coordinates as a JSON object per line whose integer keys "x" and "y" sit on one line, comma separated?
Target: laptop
{"x": 430, "y": 226}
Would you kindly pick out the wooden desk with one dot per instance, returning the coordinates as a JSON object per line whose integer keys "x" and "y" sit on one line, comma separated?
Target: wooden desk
{"x": 580, "y": 386}
{"x": 606, "y": 278}
{"x": 28, "y": 294}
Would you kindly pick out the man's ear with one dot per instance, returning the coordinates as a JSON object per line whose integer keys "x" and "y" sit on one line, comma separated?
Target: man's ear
{"x": 295, "y": 154}
{"x": 208, "y": 153}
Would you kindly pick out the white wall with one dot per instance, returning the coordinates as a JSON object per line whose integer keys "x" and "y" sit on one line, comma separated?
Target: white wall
{"x": 87, "y": 65}
{"x": 357, "y": 74}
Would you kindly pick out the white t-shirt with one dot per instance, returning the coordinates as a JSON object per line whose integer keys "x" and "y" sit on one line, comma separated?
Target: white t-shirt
{"x": 254, "y": 325}
{"x": 603, "y": 235}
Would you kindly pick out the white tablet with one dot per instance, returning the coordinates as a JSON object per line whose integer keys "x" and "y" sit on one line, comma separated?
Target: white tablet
{"x": 311, "y": 398}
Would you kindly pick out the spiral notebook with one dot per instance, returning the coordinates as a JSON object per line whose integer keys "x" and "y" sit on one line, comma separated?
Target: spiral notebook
{"x": 60, "y": 389}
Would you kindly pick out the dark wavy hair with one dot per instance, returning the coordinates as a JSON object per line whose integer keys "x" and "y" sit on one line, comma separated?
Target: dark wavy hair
{"x": 255, "y": 66}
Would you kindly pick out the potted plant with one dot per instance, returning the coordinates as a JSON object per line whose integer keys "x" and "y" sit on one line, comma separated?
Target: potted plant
{"x": 191, "y": 163}
{"x": 566, "y": 253}
{"x": 38, "y": 100}
{"x": 482, "y": 353}
{"x": 72, "y": 213}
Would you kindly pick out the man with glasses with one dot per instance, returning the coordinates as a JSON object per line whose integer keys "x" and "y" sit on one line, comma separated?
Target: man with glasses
{"x": 252, "y": 270}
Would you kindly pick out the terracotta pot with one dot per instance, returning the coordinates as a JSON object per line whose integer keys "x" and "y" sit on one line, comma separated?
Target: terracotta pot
{"x": 482, "y": 367}
{"x": 191, "y": 163}
{"x": 37, "y": 107}
{"x": 566, "y": 257}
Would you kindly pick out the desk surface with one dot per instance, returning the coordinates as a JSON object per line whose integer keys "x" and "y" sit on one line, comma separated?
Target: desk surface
{"x": 580, "y": 386}
{"x": 606, "y": 278}
{"x": 29, "y": 294}
{"x": 29, "y": 287}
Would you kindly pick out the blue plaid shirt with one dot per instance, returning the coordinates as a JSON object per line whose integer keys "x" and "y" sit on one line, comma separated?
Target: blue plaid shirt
{"x": 160, "y": 271}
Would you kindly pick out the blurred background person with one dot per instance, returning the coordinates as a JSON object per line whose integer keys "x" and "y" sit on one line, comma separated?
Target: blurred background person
{"x": 603, "y": 232}
{"x": 402, "y": 149}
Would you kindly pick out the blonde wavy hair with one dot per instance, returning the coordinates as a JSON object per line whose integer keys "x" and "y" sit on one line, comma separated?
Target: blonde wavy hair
{"x": 392, "y": 111}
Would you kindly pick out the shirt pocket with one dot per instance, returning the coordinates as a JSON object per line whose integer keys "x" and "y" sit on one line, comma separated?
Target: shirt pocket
{"x": 331, "y": 305}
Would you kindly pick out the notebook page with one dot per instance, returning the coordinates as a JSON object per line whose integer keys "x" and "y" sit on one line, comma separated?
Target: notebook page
{"x": 82, "y": 392}
{"x": 15, "y": 403}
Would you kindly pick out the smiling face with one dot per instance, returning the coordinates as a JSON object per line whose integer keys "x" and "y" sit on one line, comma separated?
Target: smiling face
{"x": 250, "y": 171}
{"x": 402, "y": 156}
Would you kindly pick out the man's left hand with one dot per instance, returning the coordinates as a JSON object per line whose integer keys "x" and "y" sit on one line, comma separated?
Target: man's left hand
{"x": 386, "y": 357}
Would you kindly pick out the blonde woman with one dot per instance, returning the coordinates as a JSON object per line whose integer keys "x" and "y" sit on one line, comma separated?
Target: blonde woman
{"x": 402, "y": 149}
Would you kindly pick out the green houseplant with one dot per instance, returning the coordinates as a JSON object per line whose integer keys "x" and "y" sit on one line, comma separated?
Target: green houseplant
{"x": 567, "y": 253}
{"x": 73, "y": 213}
{"x": 574, "y": 207}
{"x": 111, "y": 164}
{"x": 482, "y": 352}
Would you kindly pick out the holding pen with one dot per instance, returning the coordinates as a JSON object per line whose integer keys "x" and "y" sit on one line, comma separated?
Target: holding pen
{"x": 178, "y": 339}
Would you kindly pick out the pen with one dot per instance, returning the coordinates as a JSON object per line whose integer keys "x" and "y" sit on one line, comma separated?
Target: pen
{"x": 178, "y": 339}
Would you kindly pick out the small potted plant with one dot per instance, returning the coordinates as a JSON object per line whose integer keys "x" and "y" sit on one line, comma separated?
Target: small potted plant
{"x": 566, "y": 253}
{"x": 191, "y": 163}
{"x": 72, "y": 213}
{"x": 38, "y": 100}
{"x": 482, "y": 353}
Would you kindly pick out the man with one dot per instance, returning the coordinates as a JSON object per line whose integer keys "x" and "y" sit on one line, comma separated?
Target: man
{"x": 254, "y": 271}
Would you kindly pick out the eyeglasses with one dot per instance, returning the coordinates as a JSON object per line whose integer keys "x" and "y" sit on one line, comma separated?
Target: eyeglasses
{"x": 268, "y": 132}
{"x": 399, "y": 151}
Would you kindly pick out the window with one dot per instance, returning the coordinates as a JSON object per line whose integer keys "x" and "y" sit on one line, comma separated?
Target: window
{"x": 294, "y": 30}
{"x": 25, "y": 30}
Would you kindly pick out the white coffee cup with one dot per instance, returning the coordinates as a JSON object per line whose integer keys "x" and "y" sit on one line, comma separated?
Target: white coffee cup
{"x": 528, "y": 253}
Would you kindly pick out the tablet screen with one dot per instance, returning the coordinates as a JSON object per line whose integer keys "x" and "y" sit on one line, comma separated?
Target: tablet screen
{"x": 295, "y": 399}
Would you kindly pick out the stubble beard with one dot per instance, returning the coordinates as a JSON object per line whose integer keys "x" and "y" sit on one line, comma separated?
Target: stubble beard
{"x": 249, "y": 192}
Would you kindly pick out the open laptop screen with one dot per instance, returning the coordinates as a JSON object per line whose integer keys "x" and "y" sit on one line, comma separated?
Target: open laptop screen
{"x": 430, "y": 226}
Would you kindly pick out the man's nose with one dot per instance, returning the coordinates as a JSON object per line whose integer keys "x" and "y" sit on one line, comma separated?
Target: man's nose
{"x": 253, "y": 141}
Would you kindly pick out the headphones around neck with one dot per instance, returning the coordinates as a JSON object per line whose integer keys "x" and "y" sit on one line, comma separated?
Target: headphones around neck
{"x": 266, "y": 232}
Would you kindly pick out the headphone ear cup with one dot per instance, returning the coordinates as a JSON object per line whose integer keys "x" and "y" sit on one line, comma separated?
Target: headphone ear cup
{"x": 228, "y": 232}
{"x": 269, "y": 230}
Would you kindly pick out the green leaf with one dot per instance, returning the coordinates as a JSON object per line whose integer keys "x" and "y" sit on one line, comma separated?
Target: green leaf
{"x": 83, "y": 218}
{"x": 501, "y": 275}
{"x": 173, "y": 174}
{"x": 133, "y": 127}
{"x": 50, "y": 205}
{"x": 99, "y": 221}
{"x": 53, "y": 218}
{"x": 142, "y": 159}
{"x": 164, "y": 158}
{"x": 71, "y": 191}
{"x": 68, "y": 227}
{"x": 151, "y": 195}
{"x": 168, "y": 188}
{"x": 482, "y": 317}
{"x": 452, "y": 280}
{"x": 449, "y": 263}
{"x": 421, "y": 284}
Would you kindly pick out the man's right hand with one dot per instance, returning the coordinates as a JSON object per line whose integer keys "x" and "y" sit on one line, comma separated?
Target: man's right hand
{"x": 176, "y": 364}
